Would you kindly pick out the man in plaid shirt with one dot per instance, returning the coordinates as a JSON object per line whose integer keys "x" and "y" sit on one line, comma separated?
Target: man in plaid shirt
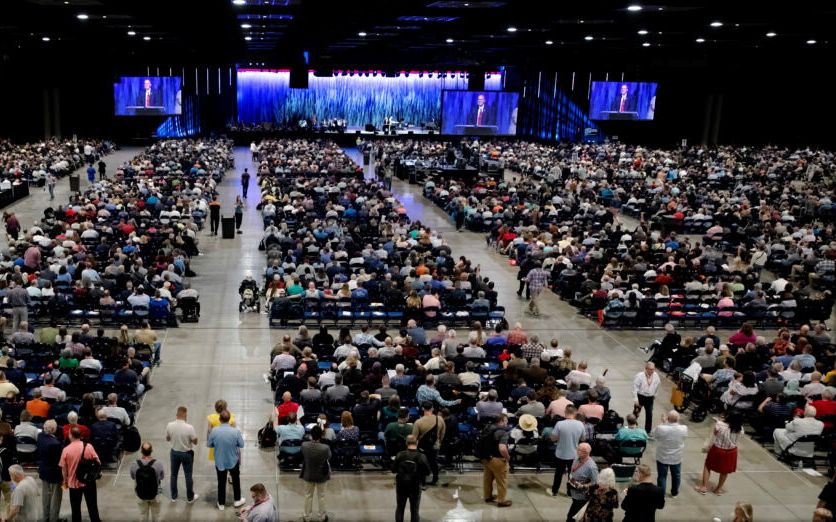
{"x": 823, "y": 267}
{"x": 533, "y": 349}
{"x": 537, "y": 280}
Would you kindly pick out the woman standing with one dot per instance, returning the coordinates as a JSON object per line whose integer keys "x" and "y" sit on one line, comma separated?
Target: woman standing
{"x": 215, "y": 421}
{"x": 239, "y": 213}
{"x": 722, "y": 452}
{"x": 12, "y": 225}
{"x": 603, "y": 498}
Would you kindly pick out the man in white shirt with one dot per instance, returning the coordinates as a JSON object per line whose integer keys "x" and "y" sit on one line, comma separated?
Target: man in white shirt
{"x": 113, "y": 411}
{"x": 796, "y": 429}
{"x": 645, "y": 386}
{"x": 182, "y": 437}
{"x": 670, "y": 443}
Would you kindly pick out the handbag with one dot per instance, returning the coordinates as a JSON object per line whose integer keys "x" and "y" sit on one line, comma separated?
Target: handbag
{"x": 677, "y": 398}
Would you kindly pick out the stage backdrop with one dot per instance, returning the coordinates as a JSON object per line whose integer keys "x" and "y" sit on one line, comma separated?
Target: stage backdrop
{"x": 266, "y": 96}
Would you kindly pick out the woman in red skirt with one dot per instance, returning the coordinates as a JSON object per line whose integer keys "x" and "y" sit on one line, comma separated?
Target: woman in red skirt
{"x": 722, "y": 452}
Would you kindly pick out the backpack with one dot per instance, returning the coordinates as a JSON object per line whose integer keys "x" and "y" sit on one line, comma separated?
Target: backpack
{"x": 131, "y": 441}
{"x": 486, "y": 443}
{"x": 267, "y": 436}
{"x": 146, "y": 480}
{"x": 407, "y": 472}
{"x": 88, "y": 471}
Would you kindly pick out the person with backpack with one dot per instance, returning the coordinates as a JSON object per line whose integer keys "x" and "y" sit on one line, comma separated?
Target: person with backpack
{"x": 429, "y": 430}
{"x": 493, "y": 452}
{"x": 148, "y": 474}
{"x": 81, "y": 469}
{"x": 411, "y": 468}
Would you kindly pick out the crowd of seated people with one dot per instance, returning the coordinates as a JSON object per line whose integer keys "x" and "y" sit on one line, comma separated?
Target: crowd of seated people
{"x": 762, "y": 208}
{"x": 33, "y": 161}
{"x": 336, "y": 246}
{"x": 774, "y": 383}
{"x": 121, "y": 249}
{"x": 54, "y": 380}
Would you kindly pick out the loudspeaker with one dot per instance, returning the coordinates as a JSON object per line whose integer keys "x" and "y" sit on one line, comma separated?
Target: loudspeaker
{"x": 431, "y": 132}
{"x": 410, "y": 132}
{"x": 476, "y": 80}
{"x": 298, "y": 78}
{"x": 370, "y": 127}
{"x": 357, "y": 132}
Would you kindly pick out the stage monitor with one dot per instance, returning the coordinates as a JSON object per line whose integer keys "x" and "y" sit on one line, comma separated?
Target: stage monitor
{"x": 147, "y": 96}
{"x": 631, "y": 101}
{"x": 485, "y": 113}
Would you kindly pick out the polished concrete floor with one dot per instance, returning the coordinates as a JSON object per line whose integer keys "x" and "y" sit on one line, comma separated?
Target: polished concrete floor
{"x": 226, "y": 356}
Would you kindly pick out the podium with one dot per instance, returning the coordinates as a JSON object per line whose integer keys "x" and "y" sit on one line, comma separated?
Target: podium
{"x": 476, "y": 130}
{"x": 142, "y": 109}
{"x": 616, "y": 115}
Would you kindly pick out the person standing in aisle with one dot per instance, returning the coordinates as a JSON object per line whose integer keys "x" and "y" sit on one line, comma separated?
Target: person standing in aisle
{"x": 91, "y": 174}
{"x": 245, "y": 182}
{"x": 49, "y": 471}
{"x": 412, "y": 468}
{"x": 51, "y": 181}
{"x": 148, "y": 473}
{"x": 24, "y": 506}
{"x": 239, "y": 213}
{"x": 183, "y": 438}
{"x": 641, "y": 500}
{"x": 214, "y": 215}
{"x": 71, "y": 457}
{"x": 495, "y": 465}
{"x": 670, "y": 443}
{"x": 645, "y": 386}
{"x": 227, "y": 443}
{"x": 316, "y": 471}
{"x": 102, "y": 167}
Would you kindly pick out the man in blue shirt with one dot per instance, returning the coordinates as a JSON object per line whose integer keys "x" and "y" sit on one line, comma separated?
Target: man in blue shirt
{"x": 227, "y": 442}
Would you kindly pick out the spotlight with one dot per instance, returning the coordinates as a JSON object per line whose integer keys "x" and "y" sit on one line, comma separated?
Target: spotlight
{"x": 634, "y": 8}
{"x": 45, "y": 38}
{"x": 82, "y": 16}
{"x": 131, "y": 33}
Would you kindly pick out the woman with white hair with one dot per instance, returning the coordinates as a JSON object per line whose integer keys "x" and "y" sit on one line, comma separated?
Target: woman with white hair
{"x": 603, "y": 498}
{"x": 450, "y": 344}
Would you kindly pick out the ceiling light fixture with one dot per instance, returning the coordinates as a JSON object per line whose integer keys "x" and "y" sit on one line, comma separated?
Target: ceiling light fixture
{"x": 700, "y": 40}
{"x": 588, "y": 38}
{"x": 643, "y": 32}
{"x": 246, "y": 26}
{"x": 248, "y": 38}
{"x": 146, "y": 38}
{"x": 771, "y": 35}
{"x": 45, "y": 38}
{"x": 646, "y": 44}
{"x": 634, "y": 8}
{"x": 131, "y": 33}
{"x": 549, "y": 42}
{"x": 449, "y": 40}
{"x": 82, "y": 16}
{"x": 239, "y": 2}
{"x": 361, "y": 33}
{"x": 716, "y": 24}
{"x": 512, "y": 29}
{"x": 811, "y": 42}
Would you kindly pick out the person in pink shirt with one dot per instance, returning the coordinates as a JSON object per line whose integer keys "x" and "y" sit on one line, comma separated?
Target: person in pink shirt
{"x": 745, "y": 335}
{"x": 557, "y": 408}
{"x": 70, "y": 458}
{"x": 431, "y": 300}
{"x": 32, "y": 258}
{"x": 592, "y": 409}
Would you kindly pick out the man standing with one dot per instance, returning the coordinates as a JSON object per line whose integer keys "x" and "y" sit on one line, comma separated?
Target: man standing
{"x": 643, "y": 499}
{"x": 214, "y": 215}
{"x": 102, "y": 167}
{"x": 183, "y": 438}
{"x": 583, "y": 475}
{"x": 412, "y": 469}
{"x": 70, "y": 459}
{"x": 24, "y": 506}
{"x": 245, "y": 182}
{"x": 645, "y": 386}
{"x": 148, "y": 474}
{"x": 51, "y": 181}
{"x": 17, "y": 299}
{"x": 670, "y": 442}
{"x": 568, "y": 433}
{"x": 429, "y": 431}
{"x": 495, "y": 465}
{"x": 537, "y": 279}
{"x": 227, "y": 442}
{"x": 316, "y": 471}
{"x": 49, "y": 471}
{"x": 263, "y": 508}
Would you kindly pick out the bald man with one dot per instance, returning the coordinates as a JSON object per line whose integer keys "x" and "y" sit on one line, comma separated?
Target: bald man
{"x": 583, "y": 475}
{"x": 670, "y": 443}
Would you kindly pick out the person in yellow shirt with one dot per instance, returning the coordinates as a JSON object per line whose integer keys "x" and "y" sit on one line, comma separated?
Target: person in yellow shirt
{"x": 215, "y": 421}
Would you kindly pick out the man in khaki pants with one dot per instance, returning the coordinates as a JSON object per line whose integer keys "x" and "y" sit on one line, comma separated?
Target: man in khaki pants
{"x": 496, "y": 467}
{"x": 315, "y": 472}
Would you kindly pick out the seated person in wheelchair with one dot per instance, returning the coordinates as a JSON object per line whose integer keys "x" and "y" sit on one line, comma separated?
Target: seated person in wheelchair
{"x": 248, "y": 290}
{"x": 664, "y": 349}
